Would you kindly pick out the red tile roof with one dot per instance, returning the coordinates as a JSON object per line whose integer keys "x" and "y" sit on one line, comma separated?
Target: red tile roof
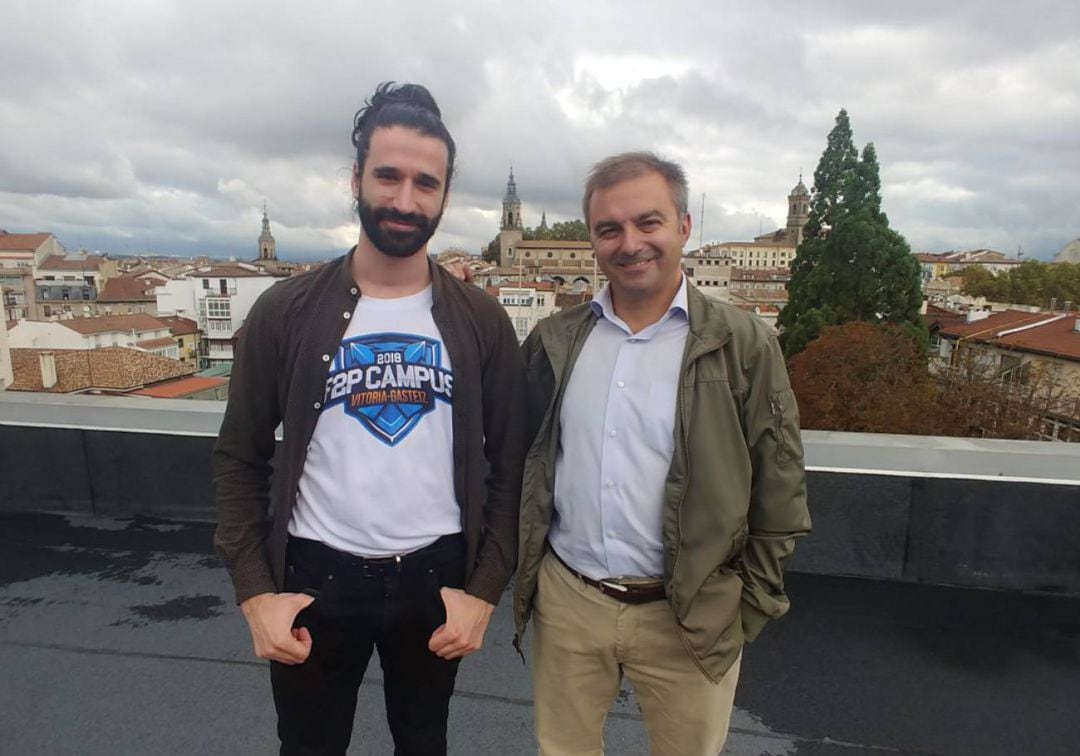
{"x": 1057, "y": 339}
{"x": 179, "y": 326}
{"x": 553, "y": 244}
{"x": 233, "y": 271}
{"x": 152, "y": 344}
{"x": 1043, "y": 332}
{"x": 60, "y": 262}
{"x": 138, "y": 321}
{"x": 993, "y": 323}
{"x": 22, "y": 242}
{"x": 182, "y": 387}
{"x": 127, "y": 290}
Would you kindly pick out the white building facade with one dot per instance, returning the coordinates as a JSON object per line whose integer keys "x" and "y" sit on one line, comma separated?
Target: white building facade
{"x": 218, "y": 298}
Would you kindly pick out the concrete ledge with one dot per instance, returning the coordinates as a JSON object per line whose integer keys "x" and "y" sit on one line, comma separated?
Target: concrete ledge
{"x": 967, "y": 512}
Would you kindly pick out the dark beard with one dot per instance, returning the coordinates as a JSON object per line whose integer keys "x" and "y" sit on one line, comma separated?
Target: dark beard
{"x": 396, "y": 243}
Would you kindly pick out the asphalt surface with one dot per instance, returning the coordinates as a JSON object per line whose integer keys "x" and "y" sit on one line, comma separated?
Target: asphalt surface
{"x": 120, "y": 637}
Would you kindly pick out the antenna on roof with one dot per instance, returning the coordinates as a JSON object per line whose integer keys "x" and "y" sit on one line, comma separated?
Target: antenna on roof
{"x": 701, "y": 219}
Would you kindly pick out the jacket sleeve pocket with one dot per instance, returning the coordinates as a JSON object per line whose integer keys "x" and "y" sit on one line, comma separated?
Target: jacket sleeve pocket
{"x": 785, "y": 417}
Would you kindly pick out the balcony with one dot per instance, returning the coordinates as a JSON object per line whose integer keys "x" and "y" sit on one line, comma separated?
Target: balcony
{"x": 934, "y": 606}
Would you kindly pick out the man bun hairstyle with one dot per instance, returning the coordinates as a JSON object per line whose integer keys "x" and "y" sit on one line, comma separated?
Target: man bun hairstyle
{"x": 408, "y": 105}
{"x": 630, "y": 165}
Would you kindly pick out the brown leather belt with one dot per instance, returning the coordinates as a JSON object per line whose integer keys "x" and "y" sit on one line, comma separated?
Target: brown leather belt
{"x": 628, "y": 593}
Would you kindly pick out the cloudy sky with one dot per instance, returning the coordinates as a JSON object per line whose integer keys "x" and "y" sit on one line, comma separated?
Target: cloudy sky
{"x": 148, "y": 125}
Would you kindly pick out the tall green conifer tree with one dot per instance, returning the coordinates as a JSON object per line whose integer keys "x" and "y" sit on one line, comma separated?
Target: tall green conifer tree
{"x": 850, "y": 264}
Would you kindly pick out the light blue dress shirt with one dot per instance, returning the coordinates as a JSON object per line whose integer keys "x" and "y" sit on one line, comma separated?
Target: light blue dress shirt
{"x": 616, "y": 440}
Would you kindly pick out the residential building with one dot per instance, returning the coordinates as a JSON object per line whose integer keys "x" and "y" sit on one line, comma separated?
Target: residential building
{"x": 218, "y": 297}
{"x": 27, "y": 250}
{"x": 933, "y": 265}
{"x": 69, "y": 285}
{"x": 187, "y": 335}
{"x": 526, "y": 305}
{"x": 947, "y": 292}
{"x": 128, "y": 295}
{"x": 709, "y": 270}
{"x": 18, "y": 295}
{"x": 19, "y": 256}
{"x": 140, "y": 331}
{"x": 1019, "y": 347}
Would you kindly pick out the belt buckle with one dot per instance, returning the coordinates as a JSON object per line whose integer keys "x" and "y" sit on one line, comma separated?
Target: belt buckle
{"x": 379, "y": 565}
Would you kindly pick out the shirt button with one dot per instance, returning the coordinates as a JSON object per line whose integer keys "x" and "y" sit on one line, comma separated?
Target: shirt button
{"x": 611, "y": 484}
{"x": 611, "y": 534}
{"x": 318, "y": 405}
{"x": 326, "y": 358}
{"x": 621, "y": 384}
{"x": 612, "y": 433}
{"x": 346, "y": 315}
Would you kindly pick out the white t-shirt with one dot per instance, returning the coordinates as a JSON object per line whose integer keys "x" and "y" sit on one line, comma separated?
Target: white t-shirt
{"x": 379, "y": 474}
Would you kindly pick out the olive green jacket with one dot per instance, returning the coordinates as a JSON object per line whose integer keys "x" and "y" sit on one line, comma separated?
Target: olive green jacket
{"x": 735, "y": 495}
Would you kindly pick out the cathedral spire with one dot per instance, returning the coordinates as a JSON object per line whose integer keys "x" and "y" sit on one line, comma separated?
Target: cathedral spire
{"x": 267, "y": 245}
{"x": 511, "y": 187}
{"x": 511, "y": 214}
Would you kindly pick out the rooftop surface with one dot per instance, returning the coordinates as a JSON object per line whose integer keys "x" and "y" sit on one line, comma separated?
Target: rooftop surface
{"x": 120, "y": 637}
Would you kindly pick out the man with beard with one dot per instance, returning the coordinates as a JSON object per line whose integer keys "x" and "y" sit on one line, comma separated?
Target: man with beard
{"x": 396, "y": 486}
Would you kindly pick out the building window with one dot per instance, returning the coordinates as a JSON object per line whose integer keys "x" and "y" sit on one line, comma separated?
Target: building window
{"x": 206, "y": 284}
{"x": 218, "y": 308}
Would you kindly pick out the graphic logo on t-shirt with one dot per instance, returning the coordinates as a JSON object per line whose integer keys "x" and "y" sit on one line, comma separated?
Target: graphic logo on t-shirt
{"x": 388, "y": 381}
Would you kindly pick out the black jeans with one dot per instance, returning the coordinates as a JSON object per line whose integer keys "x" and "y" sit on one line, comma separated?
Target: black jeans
{"x": 361, "y": 605}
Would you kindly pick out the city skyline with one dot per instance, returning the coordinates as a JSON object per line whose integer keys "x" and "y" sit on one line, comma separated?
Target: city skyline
{"x": 165, "y": 127}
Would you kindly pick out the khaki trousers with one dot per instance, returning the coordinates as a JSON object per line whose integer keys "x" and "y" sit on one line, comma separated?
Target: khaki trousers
{"x": 584, "y": 641}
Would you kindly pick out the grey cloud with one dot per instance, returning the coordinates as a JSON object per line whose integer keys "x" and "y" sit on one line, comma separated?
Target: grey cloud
{"x": 168, "y": 124}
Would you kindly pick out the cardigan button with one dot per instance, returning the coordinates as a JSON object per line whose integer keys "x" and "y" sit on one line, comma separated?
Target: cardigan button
{"x": 346, "y": 315}
{"x": 318, "y": 405}
{"x": 353, "y": 291}
{"x": 326, "y": 358}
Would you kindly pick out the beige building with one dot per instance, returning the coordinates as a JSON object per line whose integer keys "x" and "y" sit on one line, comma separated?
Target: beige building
{"x": 934, "y": 265}
{"x": 772, "y": 250}
{"x": 20, "y": 254}
{"x": 526, "y": 305}
{"x": 69, "y": 285}
{"x": 128, "y": 295}
{"x": 187, "y": 335}
{"x": 710, "y": 271}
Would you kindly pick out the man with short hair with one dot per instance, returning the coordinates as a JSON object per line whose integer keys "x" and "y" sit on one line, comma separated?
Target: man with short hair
{"x": 396, "y": 485}
{"x": 664, "y": 488}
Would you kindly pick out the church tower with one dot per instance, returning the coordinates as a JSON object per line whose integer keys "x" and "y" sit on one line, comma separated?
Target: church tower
{"x": 511, "y": 230}
{"x": 267, "y": 245}
{"x": 798, "y": 212}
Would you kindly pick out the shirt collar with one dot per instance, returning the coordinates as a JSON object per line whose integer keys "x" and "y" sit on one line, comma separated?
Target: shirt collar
{"x": 602, "y": 305}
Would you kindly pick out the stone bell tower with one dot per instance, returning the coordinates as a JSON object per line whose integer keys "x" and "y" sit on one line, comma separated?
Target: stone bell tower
{"x": 511, "y": 229}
